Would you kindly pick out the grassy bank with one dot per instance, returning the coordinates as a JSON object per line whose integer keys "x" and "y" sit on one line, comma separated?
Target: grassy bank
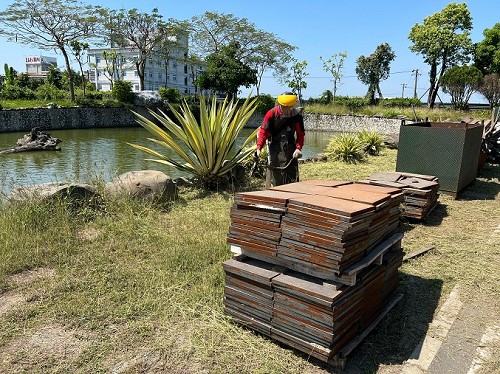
{"x": 133, "y": 288}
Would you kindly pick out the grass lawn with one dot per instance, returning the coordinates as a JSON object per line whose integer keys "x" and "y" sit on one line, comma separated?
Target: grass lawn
{"x": 134, "y": 288}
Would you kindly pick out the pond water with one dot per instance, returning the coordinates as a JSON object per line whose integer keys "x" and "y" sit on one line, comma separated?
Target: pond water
{"x": 91, "y": 154}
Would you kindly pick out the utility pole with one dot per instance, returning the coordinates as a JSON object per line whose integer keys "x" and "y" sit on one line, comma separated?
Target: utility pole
{"x": 403, "y": 93}
{"x": 415, "y": 85}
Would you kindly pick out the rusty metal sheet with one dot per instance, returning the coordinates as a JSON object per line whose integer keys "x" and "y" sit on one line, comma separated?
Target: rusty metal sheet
{"x": 256, "y": 271}
{"x": 347, "y": 192}
{"x": 374, "y": 188}
{"x": 249, "y": 322}
{"x": 314, "y": 350}
{"x": 270, "y": 196}
{"x": 324, "y": 183}
{"x": 342, "y": 208}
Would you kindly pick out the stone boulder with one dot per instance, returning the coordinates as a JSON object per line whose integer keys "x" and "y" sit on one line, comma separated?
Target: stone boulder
{"x": 143, "y": 184}
{"x": 147, "y": 98}
{"x": 74, "y": 192}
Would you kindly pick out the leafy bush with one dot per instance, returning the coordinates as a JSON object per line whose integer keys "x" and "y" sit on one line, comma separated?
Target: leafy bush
{"x": 96, "y": 95}
{"x": 13, "y": 92}
{"x": 345, "y": 147}
{"x": 372, "y": 141}
{"x": 399, "y": 103}
{"x": 171, "y": 95}
{"x": 264, "y": 103}
{"x": 122, "y": 91}
{"x": 49, "y": 92}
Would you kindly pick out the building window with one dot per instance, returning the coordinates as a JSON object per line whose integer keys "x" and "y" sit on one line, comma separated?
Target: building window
{"x": 160, "y": 75}
{"x": 97, "y": 59}
{"x": 136, "y": 87}
{"x": 150, "y": 74}
{"x": 150, "y": 61}
{"x": 151, "y": 87}
{"x": 136, "y": 74}
{"x": 99, "y": 87}
{"x": 124, "y": 73}
{"x": 174, "y": 78}
{"x": 185, "y": 81}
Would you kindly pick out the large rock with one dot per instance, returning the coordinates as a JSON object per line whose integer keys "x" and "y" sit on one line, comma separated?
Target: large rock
{"x": 144, "y": 184}
{"x": 74, "y": 192}
{"x": 147, "y": 98}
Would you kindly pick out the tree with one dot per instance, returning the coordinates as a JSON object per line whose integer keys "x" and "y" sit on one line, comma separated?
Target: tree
{"x": 335, "y": 65}
{"x": 460, "y": 82}
{"x": 260, "y": 50}
{"x": 375, "y": 68}
{"x": 10, "y": 75}
{"x": 79, "y": 49}
{"x": 139, "y": 32}
{"x": 226, "y": 72}
{"x": 49, "y": 24}
{"x": 443, "y": 41}
{"x": 170, "y": 44}
{"x": 273, "y": 54}
{"x": 487, "y": 51}
{"x": 296, "y": 78}
{"x": 490, "y": 89}
{"x": 55, "y": 77}
{"x": 112, "y": 69}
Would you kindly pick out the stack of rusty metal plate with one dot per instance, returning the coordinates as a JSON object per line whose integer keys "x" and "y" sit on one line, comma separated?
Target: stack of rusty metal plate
{"x": 421, "y": 192}
{"x": 256, "y": 222}
{"x": 334, "y": 226}
{"x": 313, "y": 316}
{"x": 314, "y": 261}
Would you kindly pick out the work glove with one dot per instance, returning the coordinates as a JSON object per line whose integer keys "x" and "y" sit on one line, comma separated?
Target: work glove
{"x": 297, "y": 153}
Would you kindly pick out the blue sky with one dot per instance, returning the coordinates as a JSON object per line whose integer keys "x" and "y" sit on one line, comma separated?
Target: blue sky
{"x": 317, "y": 28}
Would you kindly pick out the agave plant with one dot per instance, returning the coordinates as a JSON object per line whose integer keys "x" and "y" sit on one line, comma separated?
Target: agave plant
{"x": 372, "y": 140}
{"x": 208, "y": 146}
{"x": 345, "y": 147}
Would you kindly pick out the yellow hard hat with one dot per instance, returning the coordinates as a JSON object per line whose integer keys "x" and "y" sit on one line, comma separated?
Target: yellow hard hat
{"x": 287, "y": 99}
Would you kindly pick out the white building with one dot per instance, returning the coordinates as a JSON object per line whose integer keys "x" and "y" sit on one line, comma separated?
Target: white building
{"x": 38, "y": 66}
{"x": 119, "y": 63}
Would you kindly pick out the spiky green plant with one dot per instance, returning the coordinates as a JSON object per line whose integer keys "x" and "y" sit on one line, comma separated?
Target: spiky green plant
{"x": 345, "y": 147}
{"x": 207, "y": 146}
{"x": 372, "y": 141}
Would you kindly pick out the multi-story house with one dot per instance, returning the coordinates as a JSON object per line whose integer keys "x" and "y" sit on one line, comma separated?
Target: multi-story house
{"x": 110, "y": 64}
{"x": 38, "y": 66}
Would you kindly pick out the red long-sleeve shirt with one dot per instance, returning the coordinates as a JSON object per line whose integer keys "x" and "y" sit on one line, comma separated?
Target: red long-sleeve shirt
{"x": 265, "y": 132}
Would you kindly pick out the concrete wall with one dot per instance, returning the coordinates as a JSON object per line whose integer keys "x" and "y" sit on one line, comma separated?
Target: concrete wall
{"x": 23, "y": 120}
{"x": 346, "y": 123}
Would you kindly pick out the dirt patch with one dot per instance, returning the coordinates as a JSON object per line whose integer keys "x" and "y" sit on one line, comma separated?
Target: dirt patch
{"x": 29, "y": 276}
{"x": 88, "y": 234}
{"x": 9, "y": 302}
{"x": 50, "y": 343}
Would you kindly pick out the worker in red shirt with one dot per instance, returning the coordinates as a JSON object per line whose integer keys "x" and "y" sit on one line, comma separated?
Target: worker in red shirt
{"x": 283, "y": 131}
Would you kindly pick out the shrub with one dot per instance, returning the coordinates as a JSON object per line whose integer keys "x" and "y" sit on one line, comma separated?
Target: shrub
{"x": 12, "y": 92}
{"x": 264, "y": 103}
{"x": 49, "y": 92}
{"x": 122, "y": 91}
{"x": 399, "y": 103}
{"x": 372, "y": 141}
{"x": 171, "y": 95}
{"x": 345, "y": 147}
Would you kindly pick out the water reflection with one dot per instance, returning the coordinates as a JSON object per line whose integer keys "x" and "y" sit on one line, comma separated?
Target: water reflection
{"x": 97, "y": 154}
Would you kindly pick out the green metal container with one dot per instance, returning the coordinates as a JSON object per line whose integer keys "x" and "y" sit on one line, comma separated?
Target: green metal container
{"x": 447, "y": 150}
